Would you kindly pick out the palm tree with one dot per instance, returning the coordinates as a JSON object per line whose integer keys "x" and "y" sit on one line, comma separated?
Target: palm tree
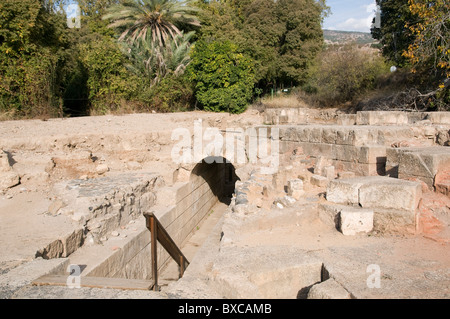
{"x": 154, "y": 62}
{"x": 154, "y": 21}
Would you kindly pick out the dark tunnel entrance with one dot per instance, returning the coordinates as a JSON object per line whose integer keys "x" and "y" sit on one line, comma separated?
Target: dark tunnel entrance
{"x": 220, "y": 175}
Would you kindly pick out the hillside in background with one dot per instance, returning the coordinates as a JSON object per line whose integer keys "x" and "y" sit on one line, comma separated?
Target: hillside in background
{"x": 341, "y": 37}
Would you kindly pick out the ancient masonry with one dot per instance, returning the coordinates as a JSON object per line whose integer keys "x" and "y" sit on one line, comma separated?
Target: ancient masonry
{"x": 372, "y": 173}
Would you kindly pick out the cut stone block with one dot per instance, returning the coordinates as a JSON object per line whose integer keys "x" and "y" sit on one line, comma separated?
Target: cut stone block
{"x": 355, "y": 220}
{"x": 295, "y": 188}
{"x": 344, "y": 175}
{"x": 329, "y": 213}
{"x": 344, "y": 191}
{"x": 329, "y": 172}
{"x": 346, "y": 119}
{"x": 372, "y": 154}
{"x": 319, "y": 181}
{"x": 439, "y": 117}
{"x": 328, "y": 289}
{"x": 423, "y": 163}
{"x": 381, "y": 118}
{"x": 8, "y": 180}
{"x": 5, "y": 166}
{"x": 390, "y": 193}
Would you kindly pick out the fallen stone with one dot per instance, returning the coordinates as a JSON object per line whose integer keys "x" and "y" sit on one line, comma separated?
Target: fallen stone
{"x": 54, "y": 207}
{"x": 8, "y": 180}
{"x": 319, "y": 181}
{"x": 355, "y": 220}
{"x": 101, "y": 169}
{"x": 328, "y": 289}
{"x": 4, "y": 162}
{"x": 329, "y": 172}
{"x": 295, "y": 188}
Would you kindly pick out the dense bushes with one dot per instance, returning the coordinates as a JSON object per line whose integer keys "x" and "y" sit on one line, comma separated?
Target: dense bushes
{"x": 224, "y": 78}
{"x": 345, "y": 73}
{"x": 32, "y": 58}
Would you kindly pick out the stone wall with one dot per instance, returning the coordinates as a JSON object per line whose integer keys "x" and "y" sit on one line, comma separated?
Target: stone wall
{"x": 180, "y": 208}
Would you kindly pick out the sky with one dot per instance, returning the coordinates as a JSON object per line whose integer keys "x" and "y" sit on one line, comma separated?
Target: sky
{"x": 350, "y": 15}
{"x": 346, "y": 15}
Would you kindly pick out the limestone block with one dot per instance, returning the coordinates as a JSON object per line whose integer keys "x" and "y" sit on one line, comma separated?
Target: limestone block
{"x": 316, "y": 135}
{"x": 4, "y": 162}
{"x": 8, "y": 180}
{"x": 319, "y": 181}
{"x": 344, "y": 175}
{"x": 344, "y": 136}
{"x": 344, "y": 191}
{"x": 372, "y": 154}
{"x": 321, "y": 162}
{"x": 303, "y": 134}
{"x": 390, "y": 193}
{"x": 424, "y": 163}
{"x": 329, "y": 135}
{"x": 347, "y": 153}
{"x": 53, "y": 250}
{"x": 328, "y": 289}
{"x": 346, "y": 119}
{"x": 101, "y": 169}
{"x": 439, "y": 117}
{"x": 329, "y": 213}
{"x": 355, "y": 220}
{"x": 295, "y": 188}
{"x": 318, "y": 149}
{"x": 72, "y": 242}
{"x": 329, "y": 172}
{"x": 381, "y": 118}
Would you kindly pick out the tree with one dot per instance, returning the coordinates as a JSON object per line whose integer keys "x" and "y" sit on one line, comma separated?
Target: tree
{"x": 395, "y": 37}
{"x": 282, "y": 37}
{"x": 156, "y": 62}
{"x": 431, "y": 45}
{"x": 223, "y": 76}
{"x": 156, "y": 21}
{"x": 33, "y": 40}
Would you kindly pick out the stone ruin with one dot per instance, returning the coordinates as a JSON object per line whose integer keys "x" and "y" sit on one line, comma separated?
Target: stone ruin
{"x": 355, "y": 183}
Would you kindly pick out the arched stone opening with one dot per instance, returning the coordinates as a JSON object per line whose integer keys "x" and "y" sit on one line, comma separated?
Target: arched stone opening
{"x": 219, "y": 174}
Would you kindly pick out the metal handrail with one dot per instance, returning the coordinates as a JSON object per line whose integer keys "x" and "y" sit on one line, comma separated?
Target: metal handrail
{"x": 158, "y": 233}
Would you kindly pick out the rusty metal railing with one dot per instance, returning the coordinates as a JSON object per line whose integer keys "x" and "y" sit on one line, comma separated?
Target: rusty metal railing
{"x": 159, "y": 234}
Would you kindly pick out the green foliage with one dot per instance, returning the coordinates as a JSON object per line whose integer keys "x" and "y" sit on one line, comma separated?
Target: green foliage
{"x": 282, "y": 37}
{"x": 33, "y": 40}
{"x": 109, "y": 82}
{"x": 172, "y": 94}
{"x": 224, "y": 77}
{"x": 155, "y": 62}
{"x": 154, "y": 21}
{"x": 393, "y": 33}
{"x": 345, "y": 73}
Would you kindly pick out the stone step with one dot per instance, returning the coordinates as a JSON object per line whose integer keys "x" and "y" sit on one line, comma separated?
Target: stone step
{"x": 394, "y": 202}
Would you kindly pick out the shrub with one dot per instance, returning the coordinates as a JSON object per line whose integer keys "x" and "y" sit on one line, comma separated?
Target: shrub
{"x": 109, "y": 83}
{"x": 224, "y": 78}
{"x": 171, "y": 94}
{"x": 345, "y": 73}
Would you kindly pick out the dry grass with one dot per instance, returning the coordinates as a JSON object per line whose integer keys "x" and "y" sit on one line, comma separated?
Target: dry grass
{"x": 283, "y": 101}
{"x": 8, "y": 115}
